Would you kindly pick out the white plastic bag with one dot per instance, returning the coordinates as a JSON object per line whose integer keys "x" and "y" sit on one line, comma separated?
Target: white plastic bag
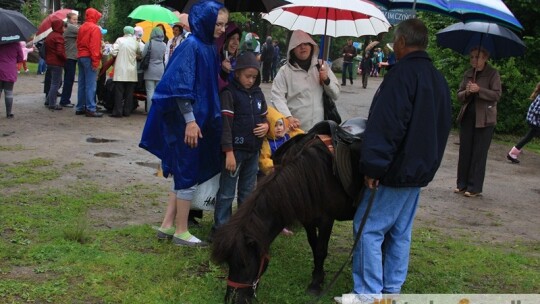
{"x": 204, "y": 197}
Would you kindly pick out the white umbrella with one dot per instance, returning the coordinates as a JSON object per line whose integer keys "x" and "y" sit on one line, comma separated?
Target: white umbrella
{"x": 336, "y": 18}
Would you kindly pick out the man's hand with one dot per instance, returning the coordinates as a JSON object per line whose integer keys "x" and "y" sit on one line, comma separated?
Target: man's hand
{"x": 193, "y": 133}
{"x": 370, "y": 182}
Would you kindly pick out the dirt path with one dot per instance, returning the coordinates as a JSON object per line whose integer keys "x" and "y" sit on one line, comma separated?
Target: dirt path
{"x": 509, "y": 210}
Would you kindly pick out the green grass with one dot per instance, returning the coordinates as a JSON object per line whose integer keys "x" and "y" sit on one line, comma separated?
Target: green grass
{"x": 52, "y": 249}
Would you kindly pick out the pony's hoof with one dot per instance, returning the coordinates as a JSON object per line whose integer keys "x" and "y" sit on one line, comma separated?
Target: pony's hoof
{"x": 314, "y": 289}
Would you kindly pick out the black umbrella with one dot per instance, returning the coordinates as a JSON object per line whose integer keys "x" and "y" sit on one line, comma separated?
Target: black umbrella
{"x": 14, "y": 27}
{"x": 259, "y": 6}
{"x": 498, "y": 40}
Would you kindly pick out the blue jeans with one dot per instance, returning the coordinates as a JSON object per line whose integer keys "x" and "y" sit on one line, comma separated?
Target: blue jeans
{"x": 381, "y": 257}
{"x": 56, "y": 83}
{"x": 42, "y": 66}
{"x": 247, "y": 165}
{"x": 69, "y": 77}
{"x": 86, "y": 96}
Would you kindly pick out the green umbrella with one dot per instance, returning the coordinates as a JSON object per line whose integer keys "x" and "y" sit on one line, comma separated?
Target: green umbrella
{"x": 153, "y": 13}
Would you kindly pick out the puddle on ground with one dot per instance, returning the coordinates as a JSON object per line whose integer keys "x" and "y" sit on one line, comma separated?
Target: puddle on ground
{"x": 99, "y": 140}
{"x": 107, "y": 154}
{"x": 148, "y": 164}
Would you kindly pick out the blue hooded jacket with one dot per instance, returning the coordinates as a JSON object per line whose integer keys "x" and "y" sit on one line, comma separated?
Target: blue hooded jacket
{"x": 191, "y": 74}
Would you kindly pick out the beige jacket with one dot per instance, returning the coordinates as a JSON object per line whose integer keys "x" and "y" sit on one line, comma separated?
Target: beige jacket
{"x": 487, "y": 98}
{"x": 298, "y": 93}
{"x": 125, "y": 50}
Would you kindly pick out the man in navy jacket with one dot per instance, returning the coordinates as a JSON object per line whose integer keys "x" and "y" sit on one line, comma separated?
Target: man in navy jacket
{"x": 404, "y": 142}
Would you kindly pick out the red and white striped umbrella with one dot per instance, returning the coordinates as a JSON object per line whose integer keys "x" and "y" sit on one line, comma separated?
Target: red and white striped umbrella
{"x": 336, "y": 18}
{"x": 45, "y": 29}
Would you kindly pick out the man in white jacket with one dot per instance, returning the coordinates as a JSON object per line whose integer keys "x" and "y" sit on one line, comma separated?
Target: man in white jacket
{"x": 125, "y": 50}
{"x": 298, "y": 86}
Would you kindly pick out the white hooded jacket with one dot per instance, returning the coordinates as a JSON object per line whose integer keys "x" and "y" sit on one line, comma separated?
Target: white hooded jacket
{"x": 298, "y": 93}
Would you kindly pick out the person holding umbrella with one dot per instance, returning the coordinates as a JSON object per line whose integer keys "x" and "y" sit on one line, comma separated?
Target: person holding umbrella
{"x": 479, "y": 92}
{"x": 297, "y": 90}
{"x": 10, "y": 55}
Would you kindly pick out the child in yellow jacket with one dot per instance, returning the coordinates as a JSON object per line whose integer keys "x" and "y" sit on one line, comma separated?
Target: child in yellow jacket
{"x": 277, "y": 135}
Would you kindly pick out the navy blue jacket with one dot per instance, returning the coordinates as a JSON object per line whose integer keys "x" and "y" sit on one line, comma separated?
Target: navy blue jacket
{"x": 408, "y": 124}
{"x": 241, "y": 111}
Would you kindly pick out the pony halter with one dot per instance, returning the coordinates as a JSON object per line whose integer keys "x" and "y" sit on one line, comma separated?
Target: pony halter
{"x": 265, "y": 259}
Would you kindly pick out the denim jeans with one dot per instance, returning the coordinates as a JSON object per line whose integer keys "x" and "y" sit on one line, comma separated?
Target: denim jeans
{"x": 381, "y": 257}
{"x": 86, "y": 95}
{"x": 69, "y": 77}
{"x": 247, "y": 165}
{"x": 56, "y": 83}
{"x": 42, "y": 66}
{"x": 150, "y": 86}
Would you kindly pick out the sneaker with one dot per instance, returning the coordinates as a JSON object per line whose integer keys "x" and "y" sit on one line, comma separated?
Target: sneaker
{"x": 352, "y": 298}
{"x": 472, "y": 194}
{"x": 192, "y": 242}
{"x": 165, "y": 233}
{"x": 26, "y": 71}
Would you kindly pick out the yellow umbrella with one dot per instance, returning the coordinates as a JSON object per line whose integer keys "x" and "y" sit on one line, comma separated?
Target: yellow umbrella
{"x": 147, "y": 27}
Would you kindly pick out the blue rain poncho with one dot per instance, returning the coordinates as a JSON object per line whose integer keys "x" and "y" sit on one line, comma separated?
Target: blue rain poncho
{"x": 191, "y": 74}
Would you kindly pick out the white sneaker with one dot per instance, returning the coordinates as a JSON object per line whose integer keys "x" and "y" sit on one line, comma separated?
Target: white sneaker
{"x": 353, "y": 298}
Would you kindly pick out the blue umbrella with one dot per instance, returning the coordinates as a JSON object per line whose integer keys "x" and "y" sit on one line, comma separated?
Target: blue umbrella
{"x": 498, "y": 40}
{"x": 14, "y": 27}
{"x": 494, "y": 11}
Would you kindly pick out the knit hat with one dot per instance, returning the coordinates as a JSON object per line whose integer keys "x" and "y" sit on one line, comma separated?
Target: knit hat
{"x": 247, "y": 60}
{"x": 129, "y": 30}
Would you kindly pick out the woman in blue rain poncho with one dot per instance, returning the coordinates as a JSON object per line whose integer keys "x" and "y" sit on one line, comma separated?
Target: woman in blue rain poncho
{"x": 183, "y": 127}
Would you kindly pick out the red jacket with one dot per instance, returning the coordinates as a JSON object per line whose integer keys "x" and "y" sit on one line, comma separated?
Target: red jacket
{"x": 89, "y": 38}
{"x": 55, "y": 50}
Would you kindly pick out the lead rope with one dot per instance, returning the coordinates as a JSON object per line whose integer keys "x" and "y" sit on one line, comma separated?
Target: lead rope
{"x": 356, "y": 240}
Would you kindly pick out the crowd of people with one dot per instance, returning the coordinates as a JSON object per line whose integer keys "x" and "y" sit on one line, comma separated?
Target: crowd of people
{"x": 207, "y": 115}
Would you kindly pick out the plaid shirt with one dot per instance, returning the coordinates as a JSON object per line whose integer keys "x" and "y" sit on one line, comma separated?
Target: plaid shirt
{"x": 533, "y": 115}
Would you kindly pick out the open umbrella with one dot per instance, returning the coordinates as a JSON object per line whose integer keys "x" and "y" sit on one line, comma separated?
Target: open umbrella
{"x": 494, "y": 11}
{"x": 334, "y": 18}
{"x": 44, "y": 28}
{"x": 147, "y": 27}
{"x": 153, "y": 13}
{"x": 261, "y": 6}
{"x": 498, "y": 40}
{"x": 14, "y": 27}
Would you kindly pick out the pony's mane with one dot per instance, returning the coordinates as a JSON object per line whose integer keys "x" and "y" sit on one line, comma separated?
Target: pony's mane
{"x": 287, "y": 195}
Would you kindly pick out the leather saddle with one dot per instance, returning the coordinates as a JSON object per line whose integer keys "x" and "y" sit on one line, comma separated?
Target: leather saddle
{"x": 346, "y": 139}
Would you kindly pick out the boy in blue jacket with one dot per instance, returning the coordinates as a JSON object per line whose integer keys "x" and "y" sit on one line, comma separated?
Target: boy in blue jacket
{"x": 243, "y": 111}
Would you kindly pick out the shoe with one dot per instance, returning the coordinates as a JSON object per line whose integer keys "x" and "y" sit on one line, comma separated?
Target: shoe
{"x": 165, "y": 234}
{"x": 93, "y": 114}
{"x": 26, "y": 71}
{"x": 56, "y": 108}
{"x": 9, "y": 115}
{"x": 80, "y": 112}
{"x": 472, "y": 194}
{"x": 115, "y": 116}
{"x": 513, "y": 160}
{"x": 351, "y": 298}
{"x": 343, "y": 84}
{"x": 192, "y": 242}
{"x": 68, "y": 105}
{"x": 458, "y": 190}
{"x": 351, "y": 82}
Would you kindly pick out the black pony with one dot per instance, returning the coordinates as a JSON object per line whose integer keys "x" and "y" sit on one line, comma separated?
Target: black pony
{"x": 302, "y": 189}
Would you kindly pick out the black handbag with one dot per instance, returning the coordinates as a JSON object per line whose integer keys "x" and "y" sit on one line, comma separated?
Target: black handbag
{"x": 145, "y": 62}
{"x": 330, "y": 109}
